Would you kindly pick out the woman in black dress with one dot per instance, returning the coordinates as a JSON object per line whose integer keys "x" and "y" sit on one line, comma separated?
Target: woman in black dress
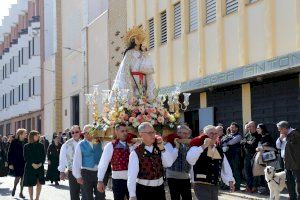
{"x": 53, "y": 160}
{"x": 16, "y": 160}
{"x": 34, "y": 154}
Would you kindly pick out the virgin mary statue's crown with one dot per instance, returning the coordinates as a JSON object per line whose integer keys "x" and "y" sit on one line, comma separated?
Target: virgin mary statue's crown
{"x": 137, "y": 34}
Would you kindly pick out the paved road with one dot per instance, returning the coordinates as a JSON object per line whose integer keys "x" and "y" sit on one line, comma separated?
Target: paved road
{"x": 61, "y": 192}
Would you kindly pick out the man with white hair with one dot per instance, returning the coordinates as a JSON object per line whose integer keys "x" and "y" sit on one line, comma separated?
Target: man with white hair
{"x": 178, "y": 174}
{"x": 290, "y": 138}
{"x": 85, "y": 165}
{"x": 66, "y": 156}
{"x": 209, "y": 164}
{"x": 146, "y": 163}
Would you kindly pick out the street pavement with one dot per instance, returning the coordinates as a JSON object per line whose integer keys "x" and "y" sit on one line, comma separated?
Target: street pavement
{"x": 61, "y": 192}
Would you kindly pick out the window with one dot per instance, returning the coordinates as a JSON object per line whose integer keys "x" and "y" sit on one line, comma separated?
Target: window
{"x": 163, "y": 23}
{"x": 20, "y": 93}
{"x": 20, "y": 56}
{"x": 210, "y": 11}
{"x": 29, "y": 87}
{"x": 177, "y": 20}
{"x": 231, "y": 6}
{"x": 193, "y": 15}
{"x": 36, "y": 82}
{"x": 10, "y": 66}
{"x": 29, "y": 49}
{"x": 28, "y": 127}
{"x": 252, "y": 1}
{"x": 6, "y": 71}
{"x": 151, "y": 33}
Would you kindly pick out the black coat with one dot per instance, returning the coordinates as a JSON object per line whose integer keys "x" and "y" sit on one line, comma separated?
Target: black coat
{"x": 53, "y": 157}
{"x": 3, "y": 160}
{"x": 16, "y": 158}
{"x": 34, "y": 153}
{"x": 292, "y": 151}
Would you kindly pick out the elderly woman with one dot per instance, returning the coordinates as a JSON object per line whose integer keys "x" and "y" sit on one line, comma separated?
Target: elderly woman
{"x": 266, "y": 144}
{"x": 178, "y": 174}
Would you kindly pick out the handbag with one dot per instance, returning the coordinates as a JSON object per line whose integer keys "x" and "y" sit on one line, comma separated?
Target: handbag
{"x": 268, "y": 156}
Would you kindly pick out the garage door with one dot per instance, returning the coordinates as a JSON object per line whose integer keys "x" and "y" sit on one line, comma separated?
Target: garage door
{"x": 276, "y": 99}
{"x": 227, "y": 103}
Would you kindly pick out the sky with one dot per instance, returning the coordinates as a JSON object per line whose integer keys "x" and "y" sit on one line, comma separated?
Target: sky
{"x": 4, "y": 8}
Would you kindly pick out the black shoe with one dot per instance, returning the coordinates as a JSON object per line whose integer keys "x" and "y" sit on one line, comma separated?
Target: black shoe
{"x": 21, "y": 196}
{"x": 13, "y": 192}
{"x": 56, "y": 183}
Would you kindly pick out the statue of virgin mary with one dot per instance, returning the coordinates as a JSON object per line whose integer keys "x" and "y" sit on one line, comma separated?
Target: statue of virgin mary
{"x": 136, "y": 69}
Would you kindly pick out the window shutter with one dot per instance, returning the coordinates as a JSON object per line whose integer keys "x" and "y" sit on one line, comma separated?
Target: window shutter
{"x": 25, "y": 91}
{"x": 25, "y": 55}
{"x": 1, "y": 75}
{"x": 16, "y": 95}
{"x": 193, "y": 15}
{"x": 16, "y": 63}
{"x": 163, "y": 23}
{"x": 20, "y": 93}
{"x": 29, "y": 49}
{"x": 6, "y": 71}
{"x": 1, "y": 103}
{"x": 231, "y": 6}
{"x": 30, "y": 87}
{"x": 11, "y": 66}
{"x": 20, "y": 58}
{"x": 36, "y": 46}
{"x": 210, "y": 11}
{"x": 36, "y": 85}
{"x": 151, "y": 33}
{"x": 177, "y": 20}
{"x": 7, "y": 100}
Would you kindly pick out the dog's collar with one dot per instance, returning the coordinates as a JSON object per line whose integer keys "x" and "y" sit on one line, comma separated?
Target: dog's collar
{"x": 273, "y": 179}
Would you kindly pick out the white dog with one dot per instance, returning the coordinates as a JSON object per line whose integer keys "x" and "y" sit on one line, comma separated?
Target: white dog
{"x": 276, "y": 182}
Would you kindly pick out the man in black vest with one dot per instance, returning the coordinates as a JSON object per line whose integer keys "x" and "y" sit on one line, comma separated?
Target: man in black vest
{"x": 209, "y": 164}
{"x": 291, "y": 155}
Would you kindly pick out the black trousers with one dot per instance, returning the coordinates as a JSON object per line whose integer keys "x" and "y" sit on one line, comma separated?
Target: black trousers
{"x": 150, "y": 193}
{"x": 119, "y": 187}
{"x": 296, "y": 174}
{"x": 74, "y": 187}
{"x": 180, "y": 189}
{"x": 89, "y": 187}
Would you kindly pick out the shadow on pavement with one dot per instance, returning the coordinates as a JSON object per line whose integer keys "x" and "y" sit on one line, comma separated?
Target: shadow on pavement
{"x": 62, "y": 187}
{"x": 5, "y": 192}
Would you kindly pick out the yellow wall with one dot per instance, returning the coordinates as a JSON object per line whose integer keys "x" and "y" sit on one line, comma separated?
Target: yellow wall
{"x": 262, "y": 30}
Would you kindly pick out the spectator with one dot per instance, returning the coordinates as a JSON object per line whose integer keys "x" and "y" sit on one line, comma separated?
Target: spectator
{"x": 34, "y": 154}
{"x": 45, "y": 142}
{"x": 266, "y": 144}
{"x": 291, "y": 157}
{"x": 250, "y": 143}
{"x": 232, "y": 148}
{"x": 53, "y": 161}
{"x": 3, "y": 159}
{"x": 16, "y": 160}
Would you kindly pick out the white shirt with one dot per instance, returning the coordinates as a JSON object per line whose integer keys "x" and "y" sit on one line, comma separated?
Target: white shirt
{"x": 105, "y": 160}
{"x": 280, "y": 144}
{"x": 226, "y": 172}
{"x": 133, "y": 170}
{"x": 63, "y": 162}
{"x": 172, "y": 150}
{"x": 77, "y": 162}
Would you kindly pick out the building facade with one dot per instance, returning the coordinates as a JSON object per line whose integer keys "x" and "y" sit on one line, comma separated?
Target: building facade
{"x": 20, "y": 68}
{"x": 83, "y": 47}
{"x": 239, "y": 58}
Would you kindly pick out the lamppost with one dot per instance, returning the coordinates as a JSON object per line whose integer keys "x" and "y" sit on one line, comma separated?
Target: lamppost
{"x": 85, "y": 77}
